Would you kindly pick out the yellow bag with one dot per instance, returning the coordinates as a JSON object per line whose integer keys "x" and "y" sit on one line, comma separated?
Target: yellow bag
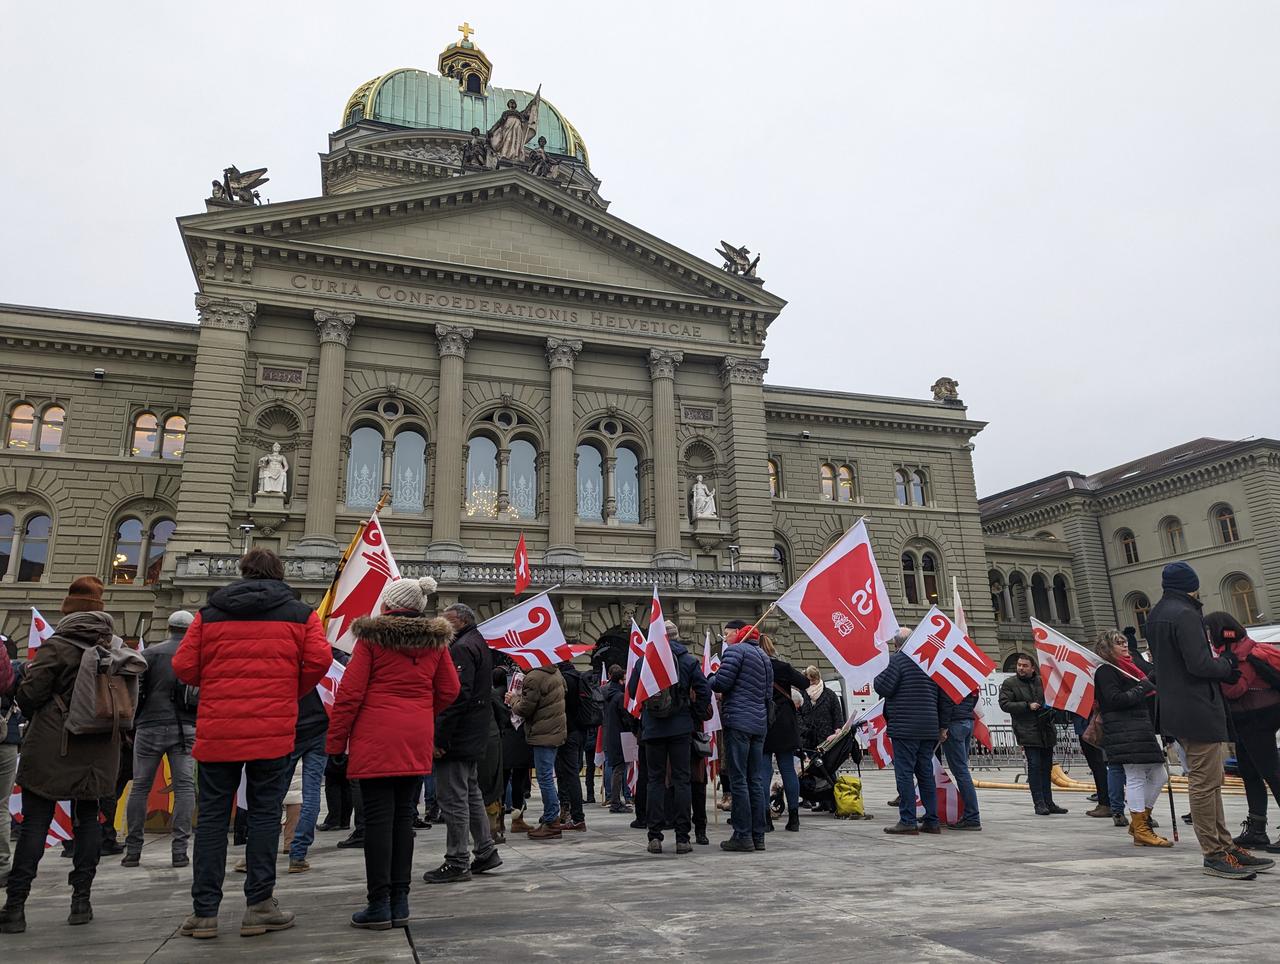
{"x": 848, "y": 791}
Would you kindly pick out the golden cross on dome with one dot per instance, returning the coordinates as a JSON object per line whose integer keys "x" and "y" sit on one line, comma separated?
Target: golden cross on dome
{"x": 467, "y": 30}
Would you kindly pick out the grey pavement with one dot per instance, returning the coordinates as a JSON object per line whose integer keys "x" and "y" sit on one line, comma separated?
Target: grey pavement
{"x": 1066, "y": 888}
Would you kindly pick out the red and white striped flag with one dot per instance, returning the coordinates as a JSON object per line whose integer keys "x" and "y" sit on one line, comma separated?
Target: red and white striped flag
{"x": 950, "y": 806}
{"x": 658, "y": 664}
{"x": 60, "y": 829}
{"x": 980, "y": 731}
{"x": 328, "y": 687}
{"x": 365, "y": 570}
{"x": 874, "y": 734}
{"x": 635, "y": 653}
{"x": 1066, "y": 670}
{"x": 40, "y": 631}
{"x": 530, "y": 634}
{"x": 711, "y": 663}
{"x": 952, "y": 660}
{"x": 599, "y": 757}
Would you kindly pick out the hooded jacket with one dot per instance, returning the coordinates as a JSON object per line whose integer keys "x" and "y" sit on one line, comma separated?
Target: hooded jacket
{"x": 1250, "y": 692}
{"x": 745, "y": 677}
{"x": 400, "y": 676}
{"x": 88, "y": 768}
{"x": 254, "y": 651}
{"x": 1189, "y": 698}
{"x": 462, "y": 729}
{"x": 541, "y": 704}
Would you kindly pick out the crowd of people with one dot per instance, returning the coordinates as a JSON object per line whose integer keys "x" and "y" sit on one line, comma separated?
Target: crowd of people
{"x": 425, "y": 717}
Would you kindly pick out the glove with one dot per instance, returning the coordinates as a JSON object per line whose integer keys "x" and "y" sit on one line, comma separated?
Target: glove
{"x": 339, "y": 759}
{"x": 1235, "y": 675}
{"x": 1231, "y": 658}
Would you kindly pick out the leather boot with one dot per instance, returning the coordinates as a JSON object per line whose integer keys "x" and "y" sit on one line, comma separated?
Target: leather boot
{"x": 793, "y": 820}
{"x": 13, "y": 919}
{"x": 81, "y": 910}
{"x": 1143, "y": 835}
{"x": 1254, "y": 836}
{"x": 518, "y": 824}
{"x": 768, "y": 821}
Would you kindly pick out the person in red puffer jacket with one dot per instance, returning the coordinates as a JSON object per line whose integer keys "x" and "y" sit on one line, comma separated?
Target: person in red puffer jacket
{"x": 253, "y": 651}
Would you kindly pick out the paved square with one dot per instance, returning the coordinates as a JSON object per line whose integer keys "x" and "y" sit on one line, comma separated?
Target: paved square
{"x": 1064, "y": 888}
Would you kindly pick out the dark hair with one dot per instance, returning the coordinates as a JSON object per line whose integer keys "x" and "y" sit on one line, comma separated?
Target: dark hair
{"x": 736, "y": 624}
{"x": 261, "y": 564}
{"x": 499, "y": 676}
{"x": 1028, "y": 657}
{"x": 1224, "y": 629}
{"x": 616, "y": 673}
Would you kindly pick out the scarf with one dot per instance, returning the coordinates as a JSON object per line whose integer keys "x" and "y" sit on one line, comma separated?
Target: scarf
{"x": 1126, "y": 664}
{"x": 815, "y": 691}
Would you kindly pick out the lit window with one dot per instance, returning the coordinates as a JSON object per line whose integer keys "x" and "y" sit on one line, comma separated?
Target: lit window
{"x": 52, "y": 422}
{"x": 1228, "y": 532}
{"x": 828, "y": 479}
{"x": 929, "y": 569}
{"x": 901, "y": 487}
{"x": 127, "y": 552}
{"x": 22, "y": 428}
{"x": 34, "y": 548}
{"x": 845, "y": 487}
{"x": 143, "y": 444}
{"x": 482, "y": 478}
{"x": 175, "y": 437}
{"x": 774, "y": 488}
{"x": 157, "y": 542}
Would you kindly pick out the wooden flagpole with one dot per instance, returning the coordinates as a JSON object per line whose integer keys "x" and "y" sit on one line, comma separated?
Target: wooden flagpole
{"x": 326, "y": 603}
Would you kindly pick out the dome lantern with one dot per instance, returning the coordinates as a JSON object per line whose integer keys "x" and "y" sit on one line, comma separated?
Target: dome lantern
{"x": 464, "y": 62}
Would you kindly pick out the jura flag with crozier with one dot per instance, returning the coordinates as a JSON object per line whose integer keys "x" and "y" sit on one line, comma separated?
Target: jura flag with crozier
{"x": 366, "y": 571}
{"x": 328, "y": 687}
{"x": 530, "y": 635}
{"x": 40, "y": 631}
{"x": 980, "y": 731}
{"x": 952, "y": 660}
{"x": 635, "y": 653}
{"x": 60, "y": 829}
{"x": 950, "y": 805}
{"x": 1066, "y": 670}
{"x": 841, "y": 604}
{"x": 873, "y": 734}
{"x": 521, "y": 565}
{"x": 658, "y": 670}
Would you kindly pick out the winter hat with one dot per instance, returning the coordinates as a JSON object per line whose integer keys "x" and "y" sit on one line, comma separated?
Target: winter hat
{"x": 407, "y": 594}
{"x": 1180, "y": 577}
{"x": 1224, "y": 629}
{"x": 180, "y": 619}
{"x": 84, "y": 596}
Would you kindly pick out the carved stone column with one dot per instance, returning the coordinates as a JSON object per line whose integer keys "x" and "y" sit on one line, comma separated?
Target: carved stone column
{"x": 504, "y": 483}
{"x": 662, "y": 371}
{"x": 747, "y": 460}
{"x": 562, "y": 548}
{"x": 206, "y": 490}
{"x": 446, "y": 544}
{"x": 611, "y": 491}
{"x": 333, "y": 328}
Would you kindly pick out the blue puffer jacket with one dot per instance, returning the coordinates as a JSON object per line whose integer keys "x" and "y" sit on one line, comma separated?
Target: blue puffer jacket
{"x": 691, "y": 681}
{"x": 914, "y": 706}
{"x": 745, "y": 677}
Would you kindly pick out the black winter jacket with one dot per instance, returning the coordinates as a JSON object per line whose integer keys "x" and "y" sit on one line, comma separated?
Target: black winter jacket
{"x": 155, "y": 690}
{"x": 784, "y": 732}
{"x": 9, "y": 710}
{"x": 1128, "y": 735}
{"x": 820, "y": 718}
{"x": 1034, "y": 728}
{"x": 915, "y": 707}
{"x": 313, "y": 719}
{"x": 964, "y": 709}
{"x": 1190, "y": 701}
{"x": 616, "y": 719}
{"x": 462, "y": 728}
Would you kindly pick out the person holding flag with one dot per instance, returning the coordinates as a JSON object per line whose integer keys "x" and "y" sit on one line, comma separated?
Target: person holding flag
{"x": 540, "y": 703}
{"x": 1022, "y": 697}
{"x": 955, "y": 745}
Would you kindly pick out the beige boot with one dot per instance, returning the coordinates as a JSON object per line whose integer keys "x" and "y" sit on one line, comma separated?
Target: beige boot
{"x": 1143, "y": 835}
{"x": 494, "y": 810}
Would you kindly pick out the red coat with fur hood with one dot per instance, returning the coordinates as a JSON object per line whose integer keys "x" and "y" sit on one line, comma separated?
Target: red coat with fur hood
{"x": 400, "y": 676}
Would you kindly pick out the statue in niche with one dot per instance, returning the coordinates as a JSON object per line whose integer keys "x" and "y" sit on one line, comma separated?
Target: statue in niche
{"x": 704, "y": 500}
{"x": 273, "y": 472}
{"x": 514, "y": 129}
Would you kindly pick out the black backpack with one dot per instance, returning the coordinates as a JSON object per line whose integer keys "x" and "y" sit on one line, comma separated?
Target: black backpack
{"x": 672, "y": 701}
{"x": 579, "y": 701}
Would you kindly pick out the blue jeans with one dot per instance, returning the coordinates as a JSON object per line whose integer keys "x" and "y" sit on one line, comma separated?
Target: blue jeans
{"x": 544, "y": 764}
{"x": 744, "y": 760}
{"x": 790, "y": 782}
{"x": 312, "y": 758}
{"x": 913, "y": 764}
{"x": 1115, "y": 787}
{"x": 956, "y": 749}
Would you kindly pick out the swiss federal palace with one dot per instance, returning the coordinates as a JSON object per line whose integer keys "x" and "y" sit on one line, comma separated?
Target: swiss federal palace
{"x": 457, "y": 325}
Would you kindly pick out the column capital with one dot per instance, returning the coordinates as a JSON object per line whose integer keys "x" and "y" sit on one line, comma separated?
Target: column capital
{"x": 334, "y": 326}
{"x": 662, "y": 364}
{"x": 233, "y": 314}
{"x": 743, "y": 371}
{"x": 453, "y": 339}
{"x": 561, "y": 352}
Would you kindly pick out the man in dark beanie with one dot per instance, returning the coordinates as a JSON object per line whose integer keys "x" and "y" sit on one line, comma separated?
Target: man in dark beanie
{"x": 1193, "y": 710}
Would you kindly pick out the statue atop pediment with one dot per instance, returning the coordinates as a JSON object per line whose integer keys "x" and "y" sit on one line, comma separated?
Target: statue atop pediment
{"x": 238, "y": 188}
{"x": 739, "y": 261}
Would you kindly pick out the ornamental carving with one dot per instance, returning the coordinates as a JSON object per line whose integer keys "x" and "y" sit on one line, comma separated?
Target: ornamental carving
{"x": 946, "y": 390}
{"x": 453, "y": 340}
{"x": 743, "y": 371}
{"x": 662, "y": 364}
{"x": 334, "y": 326}
{"x": 561, "y": 352}
{"x": 436, "y": 153}
{"x": 233, "y": 314}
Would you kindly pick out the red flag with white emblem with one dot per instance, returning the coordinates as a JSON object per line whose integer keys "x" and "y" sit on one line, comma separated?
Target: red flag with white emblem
{"x": 364, "y": 572}
{"x": 530, "y": 634}
{"x": 1066, "y": 669}
{"x": 952, "y": 660}
{"x": 841, "y": 604}
{"x": 40, "y": 631}
{"x": 873, "y": 734}
{"x": 521, "y": 566}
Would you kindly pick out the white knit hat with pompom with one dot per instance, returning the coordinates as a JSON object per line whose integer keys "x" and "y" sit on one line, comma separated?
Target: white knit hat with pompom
{"x": 410, "y": 594}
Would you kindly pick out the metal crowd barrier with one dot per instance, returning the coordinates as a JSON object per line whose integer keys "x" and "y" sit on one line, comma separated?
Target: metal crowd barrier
{"x": 1005, "y": 753}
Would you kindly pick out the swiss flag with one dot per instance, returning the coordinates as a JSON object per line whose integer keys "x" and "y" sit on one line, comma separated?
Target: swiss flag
{"x": 874, "y": 734}
{"x": 40, "y": 631}
{"x": 358, "y": 585}
{"x": 952, "y": 660}
{"x": 1066, "y": 670}
{"x": 950, "y": 805}
{"x": 521, "y": 566}
{"x": 841, "y": 604}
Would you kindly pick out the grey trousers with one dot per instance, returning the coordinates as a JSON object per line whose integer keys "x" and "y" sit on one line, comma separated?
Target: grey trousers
{"x": 150, "y": 743}
{"x": 8, "y": 767}
{"x": 462, "y": 806}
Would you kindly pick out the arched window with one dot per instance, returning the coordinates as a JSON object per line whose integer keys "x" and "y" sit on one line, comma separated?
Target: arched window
{"x": 1241, "y": 599}
{"x": 52, "y": 421}
{"x": 364, "y": 468}
{"x": 473, "y": 84}
{"x": 1061, "y": 598}
{"x": 846, "y": 484}
{"x": 482, "y": 478}
{"x": 996, "y": 583}
{"x": 626, "y": 476}
{"x": 1020, "y": 597}
{"x": 126, "y": 552}
{"x": 1040, "y": 598}
{"x": 1128, "y": 546}
{"x": 590, "y": 484}
{"x": 783, "y": 560}
{"x": 1139, "y": 606}
{"x": 143, "y": 443}
{"x": 910, "y": 587}
{"x": 157, "y": 543}
{"x": 22, "y": 427}
{"x": 827, "y": 475}
{"x": 901, "y": 488}
{"x": 7, "y": 531}
{"x": 775, "y": 480}
{"x": 1224, "y": 520}
{"x": 919, "y": 488}
{"x": 175, "y": 437}
{"x": 34, "y": 548}
{"x": 409, "y": 472}
{"x": 524, "y": 480}
{"x": 929, "y": 570}
{"x": 1175, "y": 543}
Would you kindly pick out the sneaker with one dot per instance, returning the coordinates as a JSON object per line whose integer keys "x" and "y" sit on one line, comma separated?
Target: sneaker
{"x": 181, "y": 860}
{"x": 545, "y": 831}
{"x": 1226, "y": 866}
{"x": 579, "y": 825}
{"x": 131, "y": 860}
{"x": 446, "y": 873}
{"x": 893, "y": 802}
{"x": 934, "y": 827}
{"x": 298, "y": 866}
{"x": 622, "y": 809}
{"x": 684, "y": 847}
{"x": 265, "y": 916}
{"x": 655, "y": 846}
{"x": 901, "y": 829}
{"x": 420, "y": 824}
{"x": 965, "y": 825}
{"x": 1249, "y": 861}
{"x": 757, "y": 843}
{"x": 201, "y": 928}
{"x": 1042, "y": 810}
{"x": 1101, "y": 810}
{"x": 1092, "y": 798}
{"x": 1186, "y": 818}
{"x": 487, "y": 863}
{"x": 737, "y": 845}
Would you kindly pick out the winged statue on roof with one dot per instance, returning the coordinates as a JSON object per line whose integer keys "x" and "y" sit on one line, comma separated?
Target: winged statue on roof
{"x": 237, "y": 187}
{"x": 738, "y": 260}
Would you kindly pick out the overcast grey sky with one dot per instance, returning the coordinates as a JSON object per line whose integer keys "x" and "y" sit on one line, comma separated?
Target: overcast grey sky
{"x": 1070, "y": 207}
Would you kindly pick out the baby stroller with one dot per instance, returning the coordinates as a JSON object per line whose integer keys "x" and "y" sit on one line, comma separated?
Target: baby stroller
{"x": 818, "y": 770}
